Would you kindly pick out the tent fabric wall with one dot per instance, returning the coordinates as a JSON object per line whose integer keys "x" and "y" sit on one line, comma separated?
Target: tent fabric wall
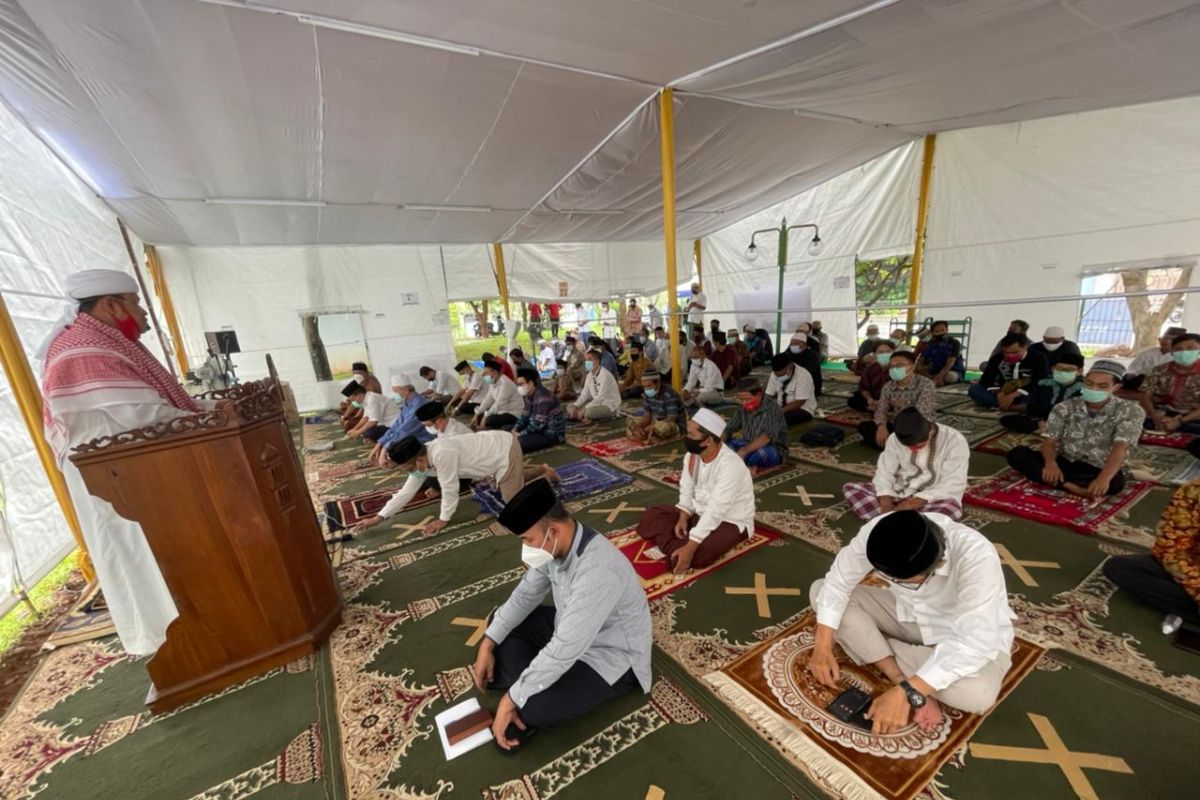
{"x": 259, "y": 292}
{"x": 868, "y": 212}
{"x": 593, "y": 271}
{"x": 50, "y": 226}
{"x": 1023, "y": 210}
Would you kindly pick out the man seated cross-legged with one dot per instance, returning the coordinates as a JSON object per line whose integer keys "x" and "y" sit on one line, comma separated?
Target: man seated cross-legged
{"x": 599, "y": 396}
{"x": 716, "y": 500}
{"x": 542, "y": 423}
{"x": 556, "y": 663}
{"x": 758, "y": 431}
{"x": 1086, "y": 439}
{"x": 1010, "y": 375}
{"x": 792, "y": 387}
{"x": 922, "y": 598}
{"x": 923, "y": 467}
{"x": 662, "y": 412}
{"x": 494, "y": 455}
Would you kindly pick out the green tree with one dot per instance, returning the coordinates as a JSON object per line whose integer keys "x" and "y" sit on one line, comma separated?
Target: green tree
{"x": 881, "y": 285}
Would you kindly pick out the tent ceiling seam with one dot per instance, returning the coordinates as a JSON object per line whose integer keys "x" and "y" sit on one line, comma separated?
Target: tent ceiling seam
{"x": 799, "y": 112}
{"x": 590, "y": 154}
{"x": 262, "y": 8}
{"x": 320, "y": 128}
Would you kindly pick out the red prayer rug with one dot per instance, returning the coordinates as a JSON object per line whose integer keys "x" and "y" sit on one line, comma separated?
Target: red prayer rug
{"x": 1175, "y": 439}
{"x": 654, "y": 570}
{"x": 771, "y": 688}
{"x": 613, "y": 448}
{"x": 350, "y": 511}
{"x": 1009, "y": 492}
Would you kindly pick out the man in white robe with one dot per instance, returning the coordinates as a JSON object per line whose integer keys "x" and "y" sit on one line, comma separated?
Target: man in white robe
{"x": 98, "y": 380}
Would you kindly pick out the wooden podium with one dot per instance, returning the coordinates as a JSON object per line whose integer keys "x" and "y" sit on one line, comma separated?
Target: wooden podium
{"x": 222, "y": 500}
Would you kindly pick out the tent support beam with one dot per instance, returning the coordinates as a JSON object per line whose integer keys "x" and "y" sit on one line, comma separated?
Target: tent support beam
{"x": 154, "y": 267}
{"x": 501, "y": 282}
{"x": 914, "y": 279}
{"x": 137, "y": 273}
{"x": 666, "y": 131}
{"x": 697, "y": 256}
{"x": 29, "y": 400}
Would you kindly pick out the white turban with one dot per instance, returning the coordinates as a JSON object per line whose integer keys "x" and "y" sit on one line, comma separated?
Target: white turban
{"x": 710, "y": 421}
{"x": 83, "y": 285}
{"x": 1054, "y": 332}
{"x": 402, "y": 380}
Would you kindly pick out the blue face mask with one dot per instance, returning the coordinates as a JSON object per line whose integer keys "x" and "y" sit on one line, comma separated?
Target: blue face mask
{"x": 1065, "y": 377}
{"x": 898, "y": 373}
{"x": 398, "y": 398}
{"x": 651, "y": 392}
{"x": 487, "y": 378}
{"x": 1185, "y": 358}
{"x": 419, "y": 474}
{"x": 356, "y": 404}
{"x": 1094, "y": 395}
{"x": 883, "y": 358}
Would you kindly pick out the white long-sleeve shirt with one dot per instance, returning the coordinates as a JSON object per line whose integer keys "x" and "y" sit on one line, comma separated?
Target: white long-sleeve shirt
{"x": 719, "y": 491}
{"x": 476, "y": 385}
{"x": 662, "y": 357}
{"x": 444, "y": 382}
{"x": 503, "y": 398}
{"x": 1145, "y": 361}
{"x": 902, "y": 474}
{"x": 453, "y": 428}
{"x": 599, "y": 387}
{"x": 546, "y": 359}
{"x": 798, "y": 387}
{"x": 472, "y": 456}
{"x": 962, "y": 609}
{"x": 379, "y": 409}
{"x": 706, "y": 376}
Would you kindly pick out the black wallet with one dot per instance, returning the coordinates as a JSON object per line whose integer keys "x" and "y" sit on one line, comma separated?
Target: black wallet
{"x": 850, "y": 706}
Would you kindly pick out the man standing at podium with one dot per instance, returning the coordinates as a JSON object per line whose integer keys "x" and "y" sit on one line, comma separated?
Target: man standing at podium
{"x": 98, "y": 380}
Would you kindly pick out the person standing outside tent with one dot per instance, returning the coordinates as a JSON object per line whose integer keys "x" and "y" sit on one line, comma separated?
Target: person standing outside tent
{"x": 696, "y": 305}
{"x": 554, "y": 312}
{"x": 656, "y": 317}
{"x": 99, "y": 380}
{"x": 535, "y": 322}
{"x": 634, "y": 318}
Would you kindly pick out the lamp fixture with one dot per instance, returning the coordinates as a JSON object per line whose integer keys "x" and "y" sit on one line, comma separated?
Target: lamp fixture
{"x": 752, "y": 251}
{"x": 816, "y": 245}
{"x": 426, "y": 207}
{"x": 262, "y": 201}
{"x": 384, "y": 33}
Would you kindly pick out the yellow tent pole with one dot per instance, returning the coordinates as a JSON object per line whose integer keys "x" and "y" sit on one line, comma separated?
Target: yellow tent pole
{"x": 914, "y": 279}
{"x": 154, "y": 266}
{"x": 29, "y": 400}
{"x": 666, "y": 132}
{"x": 698, "y": 257}
{"x": 501, "y": 281}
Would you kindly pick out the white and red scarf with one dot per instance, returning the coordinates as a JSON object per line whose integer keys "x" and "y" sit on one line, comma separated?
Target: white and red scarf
{"x": 90, "y": 365}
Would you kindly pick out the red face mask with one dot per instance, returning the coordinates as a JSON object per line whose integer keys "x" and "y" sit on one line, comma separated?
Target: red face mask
{"x": 129, "y": 326}
{"x": 752, "y": 405}
{"x": 1012, "y": 358}
{"x": 916, "y": 448}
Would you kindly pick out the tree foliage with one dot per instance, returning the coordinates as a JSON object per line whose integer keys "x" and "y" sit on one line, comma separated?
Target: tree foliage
{"x": 881, "y": 285}
{"x": 1148, "y": 322}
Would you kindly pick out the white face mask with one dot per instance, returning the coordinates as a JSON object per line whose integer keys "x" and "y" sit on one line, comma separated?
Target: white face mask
{"x": 697, "y": 361}
{"x": 1051, "y": 346}
{"x": 522, "y": 390}
{"x": 794, "y": 348}
{"x": 534, "y": 557}
{"x": 432, "y": 431}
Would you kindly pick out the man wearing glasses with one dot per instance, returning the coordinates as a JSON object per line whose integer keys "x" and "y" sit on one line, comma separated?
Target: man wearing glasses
{"x": 922, "y": 598}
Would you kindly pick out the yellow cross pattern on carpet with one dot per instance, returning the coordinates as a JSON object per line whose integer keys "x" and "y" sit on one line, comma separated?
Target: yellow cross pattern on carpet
{"x": 1056, "y": 753}
{"x": 803, "y": 494}
{"x": 1019, "y": 567}
{"x": 655, "y": 793}
{"x": 480, "y": 625}
{"x": 621, "y": 508}
{"x": 404, "y": 529}
{"x": 762, "y": 593}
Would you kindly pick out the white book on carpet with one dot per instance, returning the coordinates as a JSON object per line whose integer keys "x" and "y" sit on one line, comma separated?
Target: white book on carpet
{"x": 453, "y": 714}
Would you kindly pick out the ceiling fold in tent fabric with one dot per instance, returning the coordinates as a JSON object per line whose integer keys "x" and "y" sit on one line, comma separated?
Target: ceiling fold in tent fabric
{"x": 537, "y": 109}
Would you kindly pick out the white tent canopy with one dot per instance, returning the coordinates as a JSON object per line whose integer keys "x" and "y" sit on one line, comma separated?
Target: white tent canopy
{"x": 536, "y": 114}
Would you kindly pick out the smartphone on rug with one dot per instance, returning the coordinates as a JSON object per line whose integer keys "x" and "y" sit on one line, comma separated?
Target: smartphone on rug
{"x": 850, "y": 706}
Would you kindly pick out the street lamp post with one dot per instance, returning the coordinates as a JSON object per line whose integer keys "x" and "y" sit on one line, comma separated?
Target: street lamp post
{"x": 814, "y": 248}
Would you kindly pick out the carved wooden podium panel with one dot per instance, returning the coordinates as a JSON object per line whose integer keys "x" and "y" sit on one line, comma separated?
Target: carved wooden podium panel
{"x": 222, "y": 500}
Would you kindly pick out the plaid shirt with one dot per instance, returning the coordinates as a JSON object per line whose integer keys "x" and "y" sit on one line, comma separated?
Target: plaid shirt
{"x": 766, "y": 420}
{"x": 543, "y": 414}
{"x": 894, "y": 398}
{"x": 1084, "y": 436}
{"x": 666, "y": 405}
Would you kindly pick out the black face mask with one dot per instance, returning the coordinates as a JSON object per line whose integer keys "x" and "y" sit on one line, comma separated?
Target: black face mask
{"x": 634, "y": 356}
{"x": 693, "y": 446}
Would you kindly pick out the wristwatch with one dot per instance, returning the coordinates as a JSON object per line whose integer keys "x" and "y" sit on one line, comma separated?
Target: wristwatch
{"x": 915, "y": 698}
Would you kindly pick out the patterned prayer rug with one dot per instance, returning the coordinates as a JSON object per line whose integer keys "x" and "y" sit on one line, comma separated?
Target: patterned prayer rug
{"x": 844, "y": 415}
{"x": 654, "y": 571}
{"x": 1174, "y": 439}
{"x": 974, "y": 428}
{"x": 88, "y": 620}
{"x": 336, "y": 471}
{"x": 1008, "y": 491}
{"x": 612, "y": 448}
{"x": 1160, "y": 464}
{"x": 838, "y": 389}
{"x": 577, "y": 478}
{"x": 770, "y": 687}
{"x": 349, "y": 511}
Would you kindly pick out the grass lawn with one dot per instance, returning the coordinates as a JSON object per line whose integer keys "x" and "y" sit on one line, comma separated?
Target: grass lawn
{"x": 473, "y": 349}
{"x": 19, "y": 618}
